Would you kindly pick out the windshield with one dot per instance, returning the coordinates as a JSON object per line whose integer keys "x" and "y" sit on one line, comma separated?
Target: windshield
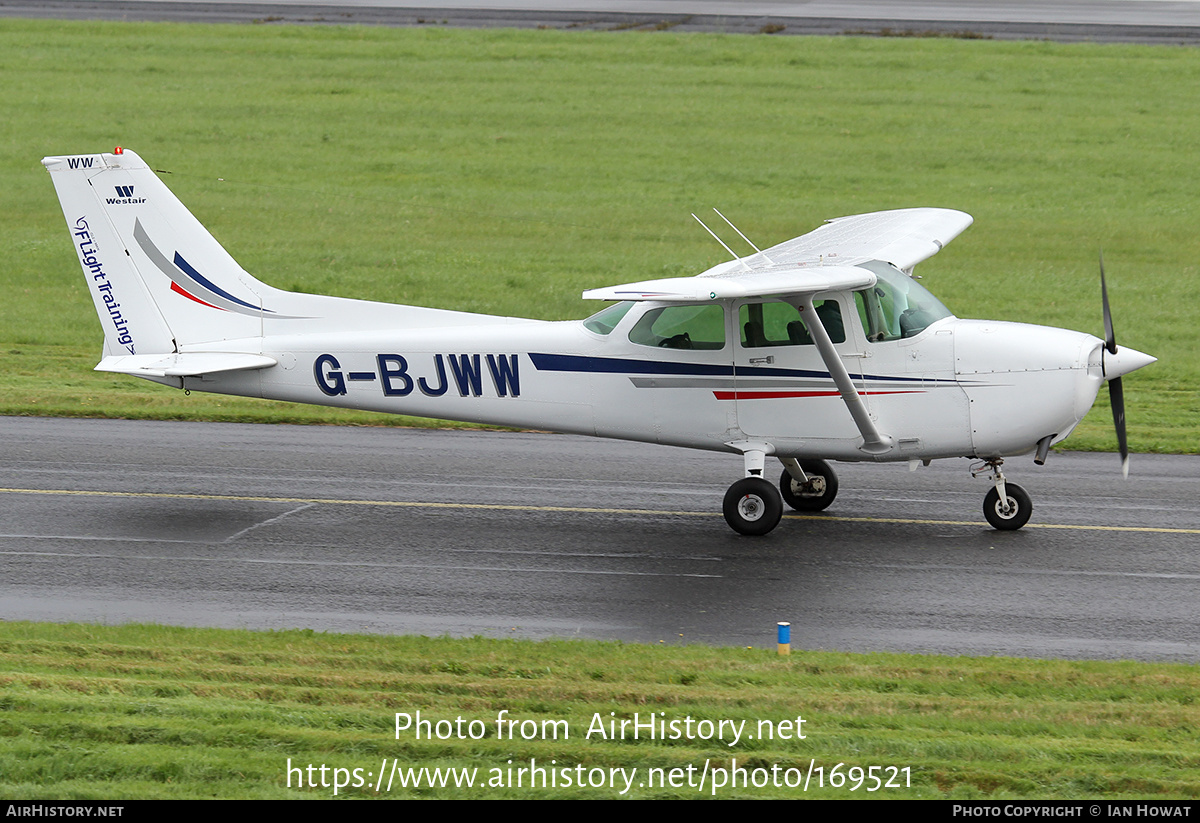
{"x": 897, "y": 306}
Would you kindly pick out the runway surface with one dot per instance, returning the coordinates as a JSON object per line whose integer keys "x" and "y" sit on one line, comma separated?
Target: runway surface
{"x": 538, "y": 535}
{"x": 1144, "y": 21}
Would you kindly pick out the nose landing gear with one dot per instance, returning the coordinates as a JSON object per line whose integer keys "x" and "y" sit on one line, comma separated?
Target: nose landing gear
{"x": 1006, "y": 505}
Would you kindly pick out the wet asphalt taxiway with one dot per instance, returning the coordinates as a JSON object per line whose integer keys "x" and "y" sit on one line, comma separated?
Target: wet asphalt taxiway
{"x": 539, "y": 535}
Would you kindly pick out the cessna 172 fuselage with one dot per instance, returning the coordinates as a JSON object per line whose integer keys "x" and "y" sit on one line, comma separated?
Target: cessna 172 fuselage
{"x": 822, "y": 347}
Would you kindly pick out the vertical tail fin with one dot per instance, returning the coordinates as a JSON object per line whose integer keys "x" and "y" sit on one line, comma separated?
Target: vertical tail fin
{"x": 158, "y": 279}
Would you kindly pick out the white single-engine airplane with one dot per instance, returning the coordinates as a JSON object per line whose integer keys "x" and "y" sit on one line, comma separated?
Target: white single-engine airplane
{"x": 822, "y": 347}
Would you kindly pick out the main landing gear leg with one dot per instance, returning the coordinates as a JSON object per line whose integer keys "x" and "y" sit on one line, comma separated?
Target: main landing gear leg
{"x": 752, "y": 505}
{"x": 1006, "y": 506}
{"x": 807, "y": 485}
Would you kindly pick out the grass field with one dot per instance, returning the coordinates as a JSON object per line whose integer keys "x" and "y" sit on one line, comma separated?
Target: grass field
{"x": 153, "y": 712}
{"x": 505, "y": 171}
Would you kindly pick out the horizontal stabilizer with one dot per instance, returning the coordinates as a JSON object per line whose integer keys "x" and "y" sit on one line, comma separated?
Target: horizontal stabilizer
{"x": 740, "y": 284}
{"x": 188, "y": 364}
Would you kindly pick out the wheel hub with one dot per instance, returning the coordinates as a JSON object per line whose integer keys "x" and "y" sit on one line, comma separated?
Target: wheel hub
{"x": 751, "y": 507}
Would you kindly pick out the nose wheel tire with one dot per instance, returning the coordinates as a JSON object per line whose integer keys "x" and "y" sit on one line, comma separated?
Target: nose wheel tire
{"x": 816, "y": 493}
{"x": 752, "y": 506}
{"x": 1013, "y": 514}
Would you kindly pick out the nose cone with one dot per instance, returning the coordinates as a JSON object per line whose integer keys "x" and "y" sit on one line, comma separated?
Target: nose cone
{"x": 1124, "y": 361}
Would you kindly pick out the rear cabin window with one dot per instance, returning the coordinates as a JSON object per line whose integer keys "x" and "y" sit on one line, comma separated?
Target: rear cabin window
{"x": 605, "y": 320}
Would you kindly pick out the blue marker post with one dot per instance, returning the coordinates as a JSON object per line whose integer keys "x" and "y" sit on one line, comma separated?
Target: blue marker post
{"x": 785, "y": 638}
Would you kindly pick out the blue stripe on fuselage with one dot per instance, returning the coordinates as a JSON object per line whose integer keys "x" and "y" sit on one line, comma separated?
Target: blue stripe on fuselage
{"x": 621, "y": 365}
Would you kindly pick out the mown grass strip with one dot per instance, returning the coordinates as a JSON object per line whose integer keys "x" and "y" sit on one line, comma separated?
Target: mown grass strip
{"x": 150, "y": 711}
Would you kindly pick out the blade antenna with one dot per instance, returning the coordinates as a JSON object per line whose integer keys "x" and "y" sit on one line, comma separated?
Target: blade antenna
{"x": 719, "y": 240}
{"x": 744, "y": 237}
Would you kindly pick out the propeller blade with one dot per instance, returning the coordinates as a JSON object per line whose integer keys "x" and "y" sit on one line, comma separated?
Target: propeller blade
{"x": 1110, "y": 338}
{"x": 1116, "y": 394}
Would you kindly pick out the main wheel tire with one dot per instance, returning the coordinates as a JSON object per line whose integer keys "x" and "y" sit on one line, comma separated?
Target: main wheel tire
{"x": 1007, "y": 518}
{"x": 814, "y": 495}
{"x": 752, "y": 506}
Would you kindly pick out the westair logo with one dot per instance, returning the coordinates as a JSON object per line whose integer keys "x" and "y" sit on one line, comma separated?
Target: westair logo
{"x": 124, "y": 197}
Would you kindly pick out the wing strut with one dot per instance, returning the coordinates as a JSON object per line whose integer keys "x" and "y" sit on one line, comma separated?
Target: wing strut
{"x": 874, "y": 442}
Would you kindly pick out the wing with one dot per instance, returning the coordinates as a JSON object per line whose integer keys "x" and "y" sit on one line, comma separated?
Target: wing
{"x": 739, "y": 282}
{"x": 903, "y": 237}
{"x": 823, "y": 260}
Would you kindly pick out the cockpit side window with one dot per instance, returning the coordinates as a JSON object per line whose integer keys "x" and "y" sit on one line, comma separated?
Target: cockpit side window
{"x": 681, "y": 327}
{"x": 780, "y": 324}
{"x": 830, "y": 312}
{"x": 771, "y": 324}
